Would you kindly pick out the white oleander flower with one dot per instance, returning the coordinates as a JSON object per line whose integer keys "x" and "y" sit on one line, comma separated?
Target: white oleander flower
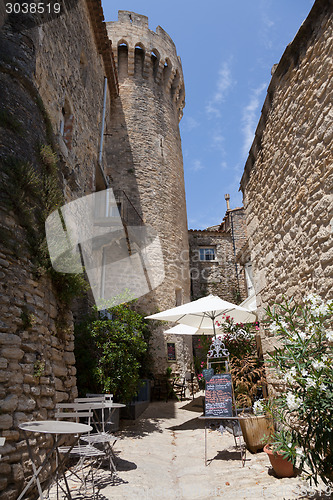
{"x": 310, "y": 383}
{"x": 317, "y": 365}
{"x": 274, "y": 327}
{"x": 314, "y": 299}
{"x": 293, "y": 402}
{"x": 305, "y": 373}
{"x": 258, "y": 407}
{"x": 329, "y": 335}
{"x": 284, "y": 324}
{"x": 318, "y": 309}
{"x": 323, "y": 387}
{"x": 290, "y": 376}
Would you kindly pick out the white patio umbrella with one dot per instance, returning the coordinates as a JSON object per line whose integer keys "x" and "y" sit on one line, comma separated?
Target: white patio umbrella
{"x": 203, "y": 313}
{"x": 189, "y": 330}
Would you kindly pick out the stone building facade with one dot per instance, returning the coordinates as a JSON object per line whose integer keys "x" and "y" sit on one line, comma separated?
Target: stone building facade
{"x": 287, "y": 181}
{"x": 53, "y": 86}
{"x": 213, "y": 264}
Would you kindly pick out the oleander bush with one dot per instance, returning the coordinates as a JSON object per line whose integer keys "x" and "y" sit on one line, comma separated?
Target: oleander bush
{"x": 303, "y": 412}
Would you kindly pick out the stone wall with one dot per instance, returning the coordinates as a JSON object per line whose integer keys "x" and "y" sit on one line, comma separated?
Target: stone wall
{"x": 287, "y": 182}
{"x": 144, "y": 154}
{"x": 45, "y": 77}
{"x": 222, "y": 276}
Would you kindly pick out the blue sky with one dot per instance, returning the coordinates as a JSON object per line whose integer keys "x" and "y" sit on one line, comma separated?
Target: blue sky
{"x": 227, "y": 50}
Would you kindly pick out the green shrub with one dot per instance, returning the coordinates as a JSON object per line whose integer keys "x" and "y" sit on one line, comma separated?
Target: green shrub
{"x": 112, "y": 354}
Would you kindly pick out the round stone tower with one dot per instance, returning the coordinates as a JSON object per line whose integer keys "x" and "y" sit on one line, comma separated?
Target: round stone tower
{"x": 143, "y": 147}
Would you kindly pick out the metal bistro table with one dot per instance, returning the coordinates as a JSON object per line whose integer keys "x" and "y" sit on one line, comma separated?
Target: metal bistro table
{"x": 105, "y": 405}
{"x": 57, "y": 429}
{"x": 210, "y": 419}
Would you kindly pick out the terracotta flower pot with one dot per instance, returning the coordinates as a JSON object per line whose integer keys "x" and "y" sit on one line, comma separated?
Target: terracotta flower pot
{"x": 282, "y": 467}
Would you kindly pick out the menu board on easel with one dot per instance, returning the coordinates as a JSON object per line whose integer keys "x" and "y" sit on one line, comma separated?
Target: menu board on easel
{"x": 218, "y": 396}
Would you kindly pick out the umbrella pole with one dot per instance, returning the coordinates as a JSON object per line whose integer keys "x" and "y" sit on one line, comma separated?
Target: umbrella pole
{"x": 214, "y": 328}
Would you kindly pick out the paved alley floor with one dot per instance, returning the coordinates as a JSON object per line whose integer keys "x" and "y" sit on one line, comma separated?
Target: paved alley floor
{"x": 160, "y": 456}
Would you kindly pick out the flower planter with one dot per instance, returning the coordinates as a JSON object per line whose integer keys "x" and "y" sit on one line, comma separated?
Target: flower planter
{"x": 282, "y": 467}
{"x": 254, "y": 428}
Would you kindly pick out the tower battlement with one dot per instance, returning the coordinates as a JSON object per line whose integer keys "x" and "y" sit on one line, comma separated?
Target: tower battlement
{"x": 141, "y": 53}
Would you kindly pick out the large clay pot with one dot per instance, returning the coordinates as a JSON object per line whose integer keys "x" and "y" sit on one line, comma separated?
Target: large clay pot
{"x": 254, "y": 428}
{"x": 282, "y": 467}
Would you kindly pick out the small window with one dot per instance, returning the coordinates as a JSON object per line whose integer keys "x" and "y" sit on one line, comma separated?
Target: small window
{"x": 66, "y": 124}
{"x": 171, "y": 351}
{"x": 179, "y": 297}
{"x": 207, "y": 253}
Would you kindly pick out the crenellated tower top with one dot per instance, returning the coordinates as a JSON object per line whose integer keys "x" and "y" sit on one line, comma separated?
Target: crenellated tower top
{"x": 142, "y": 53}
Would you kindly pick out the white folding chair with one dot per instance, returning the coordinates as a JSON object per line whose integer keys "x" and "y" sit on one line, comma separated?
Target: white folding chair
{"x": 101, "y": 436}
{"x": 88, "y": 455}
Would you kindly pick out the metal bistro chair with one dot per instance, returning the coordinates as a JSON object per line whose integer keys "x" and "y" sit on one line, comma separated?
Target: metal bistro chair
{"x": 101, "y": 436}
{"x": 89, "y": 456}
{"x": 179, "y": 387}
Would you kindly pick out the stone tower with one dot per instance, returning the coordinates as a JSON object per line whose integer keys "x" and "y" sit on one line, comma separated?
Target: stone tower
{"x": 143, "y": 147}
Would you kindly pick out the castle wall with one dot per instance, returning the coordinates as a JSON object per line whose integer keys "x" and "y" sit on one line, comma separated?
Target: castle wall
{"x": 48, "y": 73}
{"x": 287, "y": 183}
{"x": 144, "y": 154}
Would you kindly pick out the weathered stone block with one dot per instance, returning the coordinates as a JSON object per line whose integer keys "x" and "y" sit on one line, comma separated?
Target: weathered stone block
{"x": 9, "y": 404}
{"x": 26, "y": 404}
{"x": 12, "y": 353}
{"x": 10, "y": 339}
{"x": 6, "y": 421}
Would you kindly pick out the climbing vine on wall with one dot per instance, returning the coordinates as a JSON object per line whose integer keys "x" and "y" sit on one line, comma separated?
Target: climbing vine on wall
{"x": 31, "y": 193}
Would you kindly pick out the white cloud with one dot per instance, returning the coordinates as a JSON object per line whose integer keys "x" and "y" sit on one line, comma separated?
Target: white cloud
{"x": 224, "y": 82}
{"x": 189, "y": 123}
{"x": 196, "y": 166}
{"x": 250, "y": 117}
{"x": 267, "y": 23}
{"x": 217, "y": 142}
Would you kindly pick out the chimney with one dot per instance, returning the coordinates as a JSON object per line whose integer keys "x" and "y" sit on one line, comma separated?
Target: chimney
{"x": 227, "y": 198}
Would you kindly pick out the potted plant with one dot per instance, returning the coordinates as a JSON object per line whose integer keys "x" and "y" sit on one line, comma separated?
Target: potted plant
{"x": 303, "y": 361}
{"x": 257, "y": 426}
{"x": 281, "y": 453}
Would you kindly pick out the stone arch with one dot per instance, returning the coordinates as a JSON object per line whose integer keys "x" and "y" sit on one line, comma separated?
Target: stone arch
{"x": 175, "y": 84}
{"x": 155, "y": 62}
{"x": 122, "y": 56}
{"x": 167, "y": 70}
{"x": 139, "y": 59}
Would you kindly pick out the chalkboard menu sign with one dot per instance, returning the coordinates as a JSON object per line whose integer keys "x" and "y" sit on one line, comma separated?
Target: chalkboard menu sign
{"x": 218, "y": 396}
{"x": 171, "y": 348}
